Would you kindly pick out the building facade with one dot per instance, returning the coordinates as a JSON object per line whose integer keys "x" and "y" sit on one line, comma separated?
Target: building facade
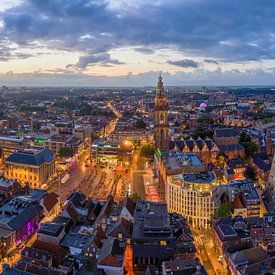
{"x": 195, "y": 196}
{"x": 34, "y": 166}
{"x": 161, "y": 126}
{"x": 103, "y": 152}
{"x": 9, "y": 145}
{"x": 206, "y": 149}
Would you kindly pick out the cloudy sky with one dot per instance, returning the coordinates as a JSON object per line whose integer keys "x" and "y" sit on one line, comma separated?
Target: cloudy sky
{"x": 128, "y": 42}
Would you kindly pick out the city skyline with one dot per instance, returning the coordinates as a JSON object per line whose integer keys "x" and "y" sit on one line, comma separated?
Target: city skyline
{"x": 117, "y": 43}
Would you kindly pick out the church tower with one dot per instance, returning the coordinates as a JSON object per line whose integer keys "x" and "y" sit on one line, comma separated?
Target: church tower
{"x": 161, "y": 126}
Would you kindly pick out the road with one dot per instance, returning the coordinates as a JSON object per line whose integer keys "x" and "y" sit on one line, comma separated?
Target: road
{"x": 137, "y": 175}
{"x": 138, "y": 184}
{"x": 204, "y": 243}
{"x": 77, "y": 174}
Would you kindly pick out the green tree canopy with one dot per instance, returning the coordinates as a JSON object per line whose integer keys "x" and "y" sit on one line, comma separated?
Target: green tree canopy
{"x": 147, "y": 151}
{"x": 200, "y": 132}
{"x": 267, "y": 120}
{"x": 135, "y": 197}
{"x": 224, "y": 210}
{"x": 205, "y": 120}
{"x": 140, "y": 124}
{"x": 244, "y": 137}
{"x": 250, "y": 173}
{"x": 65, "y": 152}
{"x": 2, "y": 115}
{"x": 250, "y": 148}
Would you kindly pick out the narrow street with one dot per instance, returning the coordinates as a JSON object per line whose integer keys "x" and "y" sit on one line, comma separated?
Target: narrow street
{"x": 204, "y": 243}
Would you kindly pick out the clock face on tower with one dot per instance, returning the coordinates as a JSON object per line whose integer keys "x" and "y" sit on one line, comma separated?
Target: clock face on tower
{"x": 161, "y": 126}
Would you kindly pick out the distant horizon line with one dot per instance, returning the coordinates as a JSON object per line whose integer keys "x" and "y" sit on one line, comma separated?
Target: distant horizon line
{"x": 134, "y": 86}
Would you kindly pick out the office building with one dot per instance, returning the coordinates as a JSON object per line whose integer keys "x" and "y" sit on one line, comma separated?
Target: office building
{"x": 195, "y": 196}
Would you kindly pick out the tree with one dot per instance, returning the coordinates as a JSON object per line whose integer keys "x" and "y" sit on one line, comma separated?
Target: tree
{"x": 250, "y": 148}
{"x": 222, "y": 159}
{"x": 2, "y": 115}
{"x": 224, "y": 210}
{"x": 135, "y": 197}
{"x": 244, "y": 137}
{"x": 250, "y": 173}
{"x": 147, "y": 151}
{"x": 85, "y": 109}
{"x": 267, "y": 120}
{"x": 65, "y": 152}
{"x": 205, "y": 120}
{"x": 200, "y": 132}
{"x": 140, "y": 124}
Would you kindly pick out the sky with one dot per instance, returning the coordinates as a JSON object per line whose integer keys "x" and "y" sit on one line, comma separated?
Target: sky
{"x": 129, "y": 42}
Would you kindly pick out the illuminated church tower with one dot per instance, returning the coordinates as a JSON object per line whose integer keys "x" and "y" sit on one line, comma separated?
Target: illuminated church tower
{"x": 161, "y": 126}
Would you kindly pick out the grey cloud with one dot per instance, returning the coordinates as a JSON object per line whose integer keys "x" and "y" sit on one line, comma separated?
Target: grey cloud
{"x": 145, "y": 50}
{"x": 185, "y": 63}
{"x": 97, "y": 59}
{"x": 223, "y": 30}
{"x": 211, "y": 61}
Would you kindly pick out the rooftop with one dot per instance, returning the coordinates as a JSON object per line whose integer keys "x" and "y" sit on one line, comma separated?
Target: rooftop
{"x": 200, "y": 178}
{"x": 179, "y": 160}
{"x": 31, "y": 156}
{"x": 226, "y": 132}
{"x": 50, "y": 228}
{"x": 112, "y": 248}
{"x": 151, "y": 220}
{"x": 180, "y": 266}
{"x": 246, "y": 187}
{"x": 6, "y": 182}
{"x": 75, "y": 240}
{"x": 18, "y": 212}
{"x": 230, "y": 147}
{"x": 227, "y": 230}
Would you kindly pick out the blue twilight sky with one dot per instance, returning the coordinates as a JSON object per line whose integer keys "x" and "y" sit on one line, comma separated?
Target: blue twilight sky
{"x": 128, "y": 42}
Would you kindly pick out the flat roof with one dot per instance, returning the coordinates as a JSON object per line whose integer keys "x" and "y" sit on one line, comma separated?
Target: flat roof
{"x": 6, "y": 182}
{"x": 75, "y": 240}
{"x": 179, "y": 160}
{"x": 50, "y": 228}
{"x": 227, "y": 230}
{"x": 151, "y": 220}
{"x": 200, "y": 178}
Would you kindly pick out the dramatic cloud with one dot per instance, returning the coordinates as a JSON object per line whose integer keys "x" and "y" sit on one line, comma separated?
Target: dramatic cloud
{"x": 211, "y": 61}
{"x": 216, "y": 32}
{"x": 185, "y": 63}
{"x": 96, "y": 59}
{"x": 210, "y": 28}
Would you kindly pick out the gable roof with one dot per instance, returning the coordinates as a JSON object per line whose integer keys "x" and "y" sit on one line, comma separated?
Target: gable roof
{"x": 226, "y": 132}
{"x": 50, "y": 201}
{"x": 129, "y": 204}
{"x": 231, "y": 147}
{"x": 122, "y": 226}
{"x": 112, "y": 253}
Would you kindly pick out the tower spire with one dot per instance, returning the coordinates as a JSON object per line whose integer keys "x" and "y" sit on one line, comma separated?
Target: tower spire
{"x": 160, "y": 88}
{"x": 161, "y": 127}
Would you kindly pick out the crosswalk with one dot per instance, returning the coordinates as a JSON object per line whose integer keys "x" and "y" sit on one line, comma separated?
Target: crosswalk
{"x": 198, "y": 240}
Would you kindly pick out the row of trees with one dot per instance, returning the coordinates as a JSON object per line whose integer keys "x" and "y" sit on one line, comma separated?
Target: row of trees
{"x": 249, "y": 146}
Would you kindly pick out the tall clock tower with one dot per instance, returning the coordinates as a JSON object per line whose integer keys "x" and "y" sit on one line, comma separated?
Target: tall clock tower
{"x": 161, "y": 126}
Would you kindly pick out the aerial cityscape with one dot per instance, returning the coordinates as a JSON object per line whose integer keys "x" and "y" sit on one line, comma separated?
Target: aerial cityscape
{"x": 137, "y": 137}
